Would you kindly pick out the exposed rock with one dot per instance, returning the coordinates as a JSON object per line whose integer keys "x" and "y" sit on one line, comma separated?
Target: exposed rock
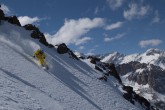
{"x": 114, "y": 72}
{"x": 131, "y": 96}
{"x": 149, "y": 74}
{"x": 97, "y": 68}
{"x": 37, "y": 34}
{"x": 12, "y": 20}
{"x": 93, "y": 59}
{"x": 2, "y": 15}
{"x": 62, "y": 49}
{"x": 31, "y": 27}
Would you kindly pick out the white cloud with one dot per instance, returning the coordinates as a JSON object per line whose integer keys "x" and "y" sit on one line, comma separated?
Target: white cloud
{"x": 114, "y": 26}
{"x": 110, "y": 39}
{"x": 82, "y": 40}
{"x": 81, "y": 48}
{"x": 91, "y": 52}
{"x": 73, "y": 30}
{"x": 5, "y": 9}
{"x": 114, "y": 4}
{"x": 136, "y": 11}
{"x": 156, "y": 19}
{"x": 152, "y": 42}
{"x": 28, "y": 20}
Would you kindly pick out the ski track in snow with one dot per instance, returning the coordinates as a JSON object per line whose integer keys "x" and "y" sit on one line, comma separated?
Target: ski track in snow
{"x": 67, "y": 85}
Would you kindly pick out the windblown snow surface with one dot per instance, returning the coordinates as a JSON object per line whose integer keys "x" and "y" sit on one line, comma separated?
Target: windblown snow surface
{"x": 68, "y": 84}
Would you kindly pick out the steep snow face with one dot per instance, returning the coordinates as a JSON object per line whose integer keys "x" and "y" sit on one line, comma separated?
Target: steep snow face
{"x": 67, "y": 85}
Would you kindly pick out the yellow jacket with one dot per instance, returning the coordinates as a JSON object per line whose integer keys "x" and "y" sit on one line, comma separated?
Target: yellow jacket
{"x": 39, "y": 54}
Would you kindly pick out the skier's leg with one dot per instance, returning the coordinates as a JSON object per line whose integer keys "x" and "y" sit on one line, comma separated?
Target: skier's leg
{"x": 42, "y": 62}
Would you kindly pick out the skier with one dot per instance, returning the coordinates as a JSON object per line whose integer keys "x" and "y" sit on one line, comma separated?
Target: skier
{"x": 40, "y": 55}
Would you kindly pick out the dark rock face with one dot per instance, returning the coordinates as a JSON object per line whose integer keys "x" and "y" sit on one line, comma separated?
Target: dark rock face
{"x": 12, "y": 20}
{"x": 31, "y": 27}
{"x": 2, "y": 15}
{"x": 62, "y": 49}
{"x": 105, "y": 66}
{"x": 114, "y": 72}
{"x": 152, "y": 75}
{"x": 129, "y": 67}
{"x": 133, "y": 97}
{"x": 93, "y": 59}
{"x": 98, "y": 68}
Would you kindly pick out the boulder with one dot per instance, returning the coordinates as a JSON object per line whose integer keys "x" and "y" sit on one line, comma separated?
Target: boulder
{"x": 62, "y": 48}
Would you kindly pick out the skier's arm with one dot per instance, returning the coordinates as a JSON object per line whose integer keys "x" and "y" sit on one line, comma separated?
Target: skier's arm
{"x": 34, "y": 54}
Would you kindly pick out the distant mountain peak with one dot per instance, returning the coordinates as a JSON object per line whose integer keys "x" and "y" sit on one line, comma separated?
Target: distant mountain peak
{"x": 153, "y": 51}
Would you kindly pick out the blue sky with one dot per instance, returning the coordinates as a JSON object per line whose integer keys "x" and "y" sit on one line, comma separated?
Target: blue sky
{"x": 95, "y": 26}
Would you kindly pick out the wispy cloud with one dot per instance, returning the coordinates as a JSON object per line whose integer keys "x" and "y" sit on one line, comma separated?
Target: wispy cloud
{"x": 83, "y": 40}
{"x": 151, "y": 42}
{"x": 114, "y": 4}
{"x": 73, "y": 30}
{"x": 5, "y": 9}
{"x": 96, "y": 10}
{"x": 156, "y": 18}
{"x": 81, "y": 48}
{"x": 91, "y": 52}
{"x": 28, "y": 20}
{"x": 110, "y": 39}
{"x": 114, "y": 26}
{"x": 136, "y": 11}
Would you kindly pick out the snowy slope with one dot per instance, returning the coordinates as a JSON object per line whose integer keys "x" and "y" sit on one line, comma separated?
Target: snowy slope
{"x": 68, "y": 84}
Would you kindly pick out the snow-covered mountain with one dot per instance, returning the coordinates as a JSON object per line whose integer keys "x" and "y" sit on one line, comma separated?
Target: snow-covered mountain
{"x": 151, "y": 56}
{"x": 68, "y": 84}
{"x": 144, "y": 72}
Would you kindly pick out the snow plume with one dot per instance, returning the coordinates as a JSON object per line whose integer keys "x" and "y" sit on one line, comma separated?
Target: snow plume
{"x": 14, "y": 40}
{"x": 73, "y": 30}
{"x": 8, "y": 42}
{"x": 28, "y": 20}
{"x": 152, "y": 42}
{"x": 136, "y": 11}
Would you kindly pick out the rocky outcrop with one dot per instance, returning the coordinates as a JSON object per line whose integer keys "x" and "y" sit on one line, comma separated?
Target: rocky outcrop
{"x": 93, "y": 59}
{"x": 12, "y": 20}
{"x": 131, "y": 96}
{"x": 62, "y": 49}
{"x": 36, "y": 34}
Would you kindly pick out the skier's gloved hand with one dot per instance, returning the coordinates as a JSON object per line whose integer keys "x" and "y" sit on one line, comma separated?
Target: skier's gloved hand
{"x": 33, "y": 56}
